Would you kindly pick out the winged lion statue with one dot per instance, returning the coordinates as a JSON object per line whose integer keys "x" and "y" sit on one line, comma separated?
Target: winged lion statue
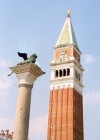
{"x": 31, "y": 59}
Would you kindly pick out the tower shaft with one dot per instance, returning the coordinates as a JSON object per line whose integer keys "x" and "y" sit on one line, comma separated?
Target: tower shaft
{"x": 65, "y": 115}
{"x": 65, "y": 120}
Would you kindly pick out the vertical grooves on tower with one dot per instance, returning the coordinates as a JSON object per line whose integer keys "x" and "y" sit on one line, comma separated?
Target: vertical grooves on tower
{"x": 82, "y": 120}
{"x": 82, "y": 125}
{"x": 56, "y": 114}
{"x": 76, "y": 113}
{"x": 79, "y": 114}
{"x": 51, "y": 112}
{"x": 49, "y": 118}
{"x": 63, "y": 133}
{"x": 52, "y": 117}
{"x": 61, "y": 113}
{"x": 64, "y": 115}
{"x": 67, "y": 112}
{"x": 73, "y": 114}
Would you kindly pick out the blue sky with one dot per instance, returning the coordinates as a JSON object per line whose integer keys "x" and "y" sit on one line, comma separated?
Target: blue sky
{"x": 34, "y": 26}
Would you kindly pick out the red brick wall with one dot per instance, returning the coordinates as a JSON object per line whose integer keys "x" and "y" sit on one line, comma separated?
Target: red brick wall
{"x": 75, "y": 54}
{"x": 65, "y": 120}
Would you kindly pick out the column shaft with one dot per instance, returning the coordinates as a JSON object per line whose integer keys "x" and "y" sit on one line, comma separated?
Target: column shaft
{"x": 22, "y": 112}
{"x": 26, "y": 74}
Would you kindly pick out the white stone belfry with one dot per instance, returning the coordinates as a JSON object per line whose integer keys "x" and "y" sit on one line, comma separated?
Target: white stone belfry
{"x": 27, "y": 74}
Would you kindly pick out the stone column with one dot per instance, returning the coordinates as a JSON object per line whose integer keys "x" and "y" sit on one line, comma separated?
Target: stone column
{"x": 26, "y": 74}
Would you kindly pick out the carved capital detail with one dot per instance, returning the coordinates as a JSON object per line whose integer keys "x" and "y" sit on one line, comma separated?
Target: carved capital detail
{"x": 25, "y": 85}
{"x": 26, "y": 78}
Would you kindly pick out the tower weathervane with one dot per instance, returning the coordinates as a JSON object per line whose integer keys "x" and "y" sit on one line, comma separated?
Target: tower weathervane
{"x": 68, "y": 12}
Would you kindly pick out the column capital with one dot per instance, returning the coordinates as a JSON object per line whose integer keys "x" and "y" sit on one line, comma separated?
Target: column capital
{"x": 27, "y": 73}
{"x": 25, "y": 85}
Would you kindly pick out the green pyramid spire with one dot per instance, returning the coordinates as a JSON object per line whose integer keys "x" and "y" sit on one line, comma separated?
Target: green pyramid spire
{"x": 67, "y": 35}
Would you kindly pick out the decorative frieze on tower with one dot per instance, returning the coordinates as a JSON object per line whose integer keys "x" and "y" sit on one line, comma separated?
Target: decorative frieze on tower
{"x": 65, "y": 121}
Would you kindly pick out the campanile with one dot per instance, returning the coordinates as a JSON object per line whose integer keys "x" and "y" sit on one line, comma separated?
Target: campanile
{"x": 65, "y": 120}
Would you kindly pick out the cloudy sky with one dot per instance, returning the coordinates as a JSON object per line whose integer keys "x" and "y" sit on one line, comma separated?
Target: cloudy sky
{"x": 34, "y": 26}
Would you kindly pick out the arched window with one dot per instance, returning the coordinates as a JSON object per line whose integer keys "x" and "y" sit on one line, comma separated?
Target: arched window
{"x": 64, "y": 72}
{"x": 56, "y": 73}
{"x": 79, "y": 77}
{"x": 68, "y": 72}
{"x": 76, "y": 74}
{"x": 60, "y": 73}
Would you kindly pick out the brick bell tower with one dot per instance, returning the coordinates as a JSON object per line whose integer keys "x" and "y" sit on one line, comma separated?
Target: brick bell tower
{"x": 65, "y": 120}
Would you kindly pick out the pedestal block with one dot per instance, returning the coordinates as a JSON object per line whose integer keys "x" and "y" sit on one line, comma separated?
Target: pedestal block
{"x": 26, "y": 74}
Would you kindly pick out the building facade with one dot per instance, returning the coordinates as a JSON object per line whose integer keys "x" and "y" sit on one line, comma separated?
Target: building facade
{"x": 65, "y": 120}
{"x": 5, "y": 135}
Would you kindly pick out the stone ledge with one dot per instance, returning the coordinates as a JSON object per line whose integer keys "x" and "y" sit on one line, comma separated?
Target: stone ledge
{"x": 29, "y": 67}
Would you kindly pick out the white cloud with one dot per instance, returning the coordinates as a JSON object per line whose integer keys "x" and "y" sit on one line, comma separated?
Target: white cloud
{"x": 89, "y": 58}
{"x": 4, "y": 63}
{"x": 38, "y": 126}
{"x": 4, "y": 101}
{"x": 3, "y": 123}
{"x": 6, "y": 124}
{"x": 5, "y": 82}
{"x": 92, "y": 97}
{"x": 5, "y": 85}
